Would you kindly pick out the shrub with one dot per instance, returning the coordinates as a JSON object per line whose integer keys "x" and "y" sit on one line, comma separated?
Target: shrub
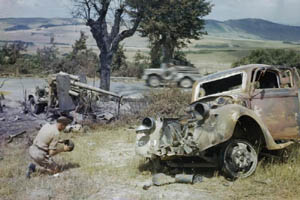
{"x": 135, "y": 69}
{"x": 169, "y": 102}
{"x": 119, "y": 59}
{"x": 284, "y": 57}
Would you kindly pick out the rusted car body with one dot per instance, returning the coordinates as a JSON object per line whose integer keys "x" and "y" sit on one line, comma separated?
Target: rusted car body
{"x": 233, "y": 115}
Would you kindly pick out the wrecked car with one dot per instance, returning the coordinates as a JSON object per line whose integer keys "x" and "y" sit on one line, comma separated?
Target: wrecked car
{"x": 183, "y": 76}
{"x": 233, "y": 116}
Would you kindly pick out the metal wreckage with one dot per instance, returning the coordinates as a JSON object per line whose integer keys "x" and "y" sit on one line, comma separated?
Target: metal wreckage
{"x": 66, "y": 93}
{"x": 233, "y": 116}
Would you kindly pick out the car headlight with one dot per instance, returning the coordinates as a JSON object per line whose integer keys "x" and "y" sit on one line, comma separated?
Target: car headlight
{"x": 200, "y": 110}
{"x": 148, "y": 125}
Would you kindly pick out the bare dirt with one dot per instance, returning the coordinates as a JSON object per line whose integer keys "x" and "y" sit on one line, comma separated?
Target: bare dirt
{"x": 13, "y": 120}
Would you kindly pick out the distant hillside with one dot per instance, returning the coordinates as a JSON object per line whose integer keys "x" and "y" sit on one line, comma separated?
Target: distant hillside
{"x": 18, "y": 23}
{"x": 253, "y": 29}
{"x": 237, "y": 29}
{"x": 17, "y": 28}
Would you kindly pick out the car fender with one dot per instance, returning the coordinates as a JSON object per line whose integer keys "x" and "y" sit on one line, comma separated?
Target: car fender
{"x": 220, "y": 126}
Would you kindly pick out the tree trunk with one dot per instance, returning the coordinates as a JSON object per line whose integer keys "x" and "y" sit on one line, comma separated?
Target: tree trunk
{"x": 105, "y": 63}
{"x": 167, "y": 50}
{"x": 1, "y": 108}
{"x": 156, "y": 54}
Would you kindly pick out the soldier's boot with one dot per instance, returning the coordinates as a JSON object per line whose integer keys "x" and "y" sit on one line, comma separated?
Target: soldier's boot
{"x": 30, "y": 170}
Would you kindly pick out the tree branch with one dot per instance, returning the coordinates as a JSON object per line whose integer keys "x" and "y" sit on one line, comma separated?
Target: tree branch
{"x": 126, "y": 33}
{"x": 88, "y": 10}
{"x": 101, "y": 11}
{"x": 116, "y": 27}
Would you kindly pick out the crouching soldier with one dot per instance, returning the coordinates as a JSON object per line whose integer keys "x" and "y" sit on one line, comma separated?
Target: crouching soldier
{"x": 47, "y": 144}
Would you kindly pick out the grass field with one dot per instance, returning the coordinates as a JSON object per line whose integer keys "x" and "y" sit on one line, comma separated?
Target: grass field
{"x": 212, "y": 54}
{"x": 103, "y": 165}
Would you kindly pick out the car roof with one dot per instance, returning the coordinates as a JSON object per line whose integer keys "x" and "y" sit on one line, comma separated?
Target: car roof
{"x": 243, "y": 68}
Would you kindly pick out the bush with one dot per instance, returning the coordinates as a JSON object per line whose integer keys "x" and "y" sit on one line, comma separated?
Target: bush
{"x": 180, "y": 59}
{"x": 119, "y": 59}
{"x": 169, "y": 102}
{"x": 130, "y": 70}
{"x": 135, "y": 69}
{"x": 290, "y": 58}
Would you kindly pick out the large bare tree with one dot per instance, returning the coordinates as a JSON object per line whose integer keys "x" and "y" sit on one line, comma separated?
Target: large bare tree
{"x": 106, "y": 19}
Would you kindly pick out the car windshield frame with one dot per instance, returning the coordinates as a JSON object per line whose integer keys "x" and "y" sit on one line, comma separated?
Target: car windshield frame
{"x": 197, "y": 94}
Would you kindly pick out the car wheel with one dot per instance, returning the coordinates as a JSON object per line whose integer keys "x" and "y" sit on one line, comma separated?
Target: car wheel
{"x": 38, "y": 109}
{"x": 32, "y": 104}
{"x": 153, "y": 81}
{"x": 186, "y": 83}
{"x": 239, "y": 159}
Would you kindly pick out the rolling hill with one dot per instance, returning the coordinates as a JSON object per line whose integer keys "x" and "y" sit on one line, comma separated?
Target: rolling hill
{"x": 253, "y": 29}
{"x": 257, "y": 29}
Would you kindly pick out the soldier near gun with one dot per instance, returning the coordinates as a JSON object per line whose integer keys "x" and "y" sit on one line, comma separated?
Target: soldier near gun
{"x": 47, "y": 144}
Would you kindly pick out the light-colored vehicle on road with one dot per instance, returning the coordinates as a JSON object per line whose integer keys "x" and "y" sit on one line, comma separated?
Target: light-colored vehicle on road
{"x": 183, "y": 76}
{"x": 233, "y": 117}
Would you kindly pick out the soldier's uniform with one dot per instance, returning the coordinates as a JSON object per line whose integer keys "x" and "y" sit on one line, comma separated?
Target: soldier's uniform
{"x": 47, "y": 139}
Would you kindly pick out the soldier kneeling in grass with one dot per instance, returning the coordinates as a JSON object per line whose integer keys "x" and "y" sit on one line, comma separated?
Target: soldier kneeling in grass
{"x": 47, "y": 144}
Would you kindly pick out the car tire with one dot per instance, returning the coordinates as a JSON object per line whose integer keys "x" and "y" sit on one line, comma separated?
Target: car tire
{"x": 186, "y": 83}
{"x": 32, "y": 105}
{"x": 35, "y": 108}
{"x": 153, "y": 81}
{"x": 238, "y": 159}
{"x": 38, "y": 109}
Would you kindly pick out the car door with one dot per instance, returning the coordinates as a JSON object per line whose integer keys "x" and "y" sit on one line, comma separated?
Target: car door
{"x": 276, "y": 101}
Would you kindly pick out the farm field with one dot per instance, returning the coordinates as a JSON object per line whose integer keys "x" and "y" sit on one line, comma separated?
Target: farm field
{"x": 210, "y": 54}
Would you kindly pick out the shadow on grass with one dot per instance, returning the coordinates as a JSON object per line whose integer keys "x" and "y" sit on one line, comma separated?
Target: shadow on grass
{"x": 68, "y": 166}
{"x": 154, "y": 168}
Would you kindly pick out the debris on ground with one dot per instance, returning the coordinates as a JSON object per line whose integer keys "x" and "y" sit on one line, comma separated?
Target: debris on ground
{"x": 11, "y": 137}
{"x": 161, "y": 179}
{"x": 13, "y": 120}
{"x": 67, "y": 93}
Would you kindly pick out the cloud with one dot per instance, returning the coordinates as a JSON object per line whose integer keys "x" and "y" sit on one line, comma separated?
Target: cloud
{"x": 282, "y": 11}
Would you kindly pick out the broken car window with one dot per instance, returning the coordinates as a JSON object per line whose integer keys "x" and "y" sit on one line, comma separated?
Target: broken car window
{"x": 223, "y": 85}
{"x": 286, "y": 80}
{"x": 266, "y": 79}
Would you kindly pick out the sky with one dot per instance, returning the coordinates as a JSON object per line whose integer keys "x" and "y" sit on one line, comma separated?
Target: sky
{"x": 281, "y": 11}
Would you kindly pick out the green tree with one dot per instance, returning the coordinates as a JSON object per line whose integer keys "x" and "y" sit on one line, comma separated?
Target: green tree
{"x": 47, "y": 56}
{"x": 79, "y": 44}
{"x": 171, "y": 24}
{"x": 119, "y": 59}
{"x": 81, "y": 60}
{"x": 284, "y": 57}
{"x": 155, "y": 55}
{"x": 12, "y": 52}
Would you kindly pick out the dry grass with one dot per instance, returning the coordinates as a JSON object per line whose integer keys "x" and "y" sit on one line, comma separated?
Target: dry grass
{"x": 99, "y": 158}
{"x": 168, "y": 102}
{"x": 103, "y": 166}
{"x": 272, "y": 180}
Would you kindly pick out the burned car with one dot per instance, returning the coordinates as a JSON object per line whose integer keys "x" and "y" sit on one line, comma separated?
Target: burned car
{"x": 233, "y": 116}
{"x": 183, "y": 76}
